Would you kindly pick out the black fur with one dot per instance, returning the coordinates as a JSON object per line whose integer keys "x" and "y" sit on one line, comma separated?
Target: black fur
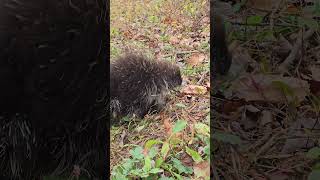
{"x": 139, "y": 84}
{"x": 52, "y": 78}
{"x": 222, "y": 57}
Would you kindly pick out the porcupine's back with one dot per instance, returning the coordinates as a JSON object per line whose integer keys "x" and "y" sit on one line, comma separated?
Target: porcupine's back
{"x": 137, "y": 84}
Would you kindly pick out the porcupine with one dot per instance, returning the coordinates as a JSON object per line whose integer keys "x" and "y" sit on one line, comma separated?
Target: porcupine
{"x": 140, "y": 85}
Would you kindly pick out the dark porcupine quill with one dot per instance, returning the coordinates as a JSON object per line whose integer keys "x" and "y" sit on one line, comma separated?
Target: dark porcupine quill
{"x": 52, "y": 72}
{"x": 139, "y": 85}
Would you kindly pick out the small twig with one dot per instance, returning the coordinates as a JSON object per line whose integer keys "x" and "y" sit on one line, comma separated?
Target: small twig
{"x": 187, "y": 52}
{"x": 202, "y": 78}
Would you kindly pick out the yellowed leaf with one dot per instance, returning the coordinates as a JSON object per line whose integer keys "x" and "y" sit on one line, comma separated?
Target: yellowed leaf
{"x": 194, "y": 90}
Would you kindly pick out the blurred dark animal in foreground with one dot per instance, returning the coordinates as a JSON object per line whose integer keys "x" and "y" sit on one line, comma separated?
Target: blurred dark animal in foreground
{"x": 52, "y": 97}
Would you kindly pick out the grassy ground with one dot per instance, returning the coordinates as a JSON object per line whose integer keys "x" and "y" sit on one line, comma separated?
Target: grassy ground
{"x": 173, "y": 144}
{"x": 267, "y": 111}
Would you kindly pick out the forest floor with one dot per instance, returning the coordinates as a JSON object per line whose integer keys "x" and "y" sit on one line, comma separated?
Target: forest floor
{"x": 173, "y": 144}
{"x": 265, "y": 113}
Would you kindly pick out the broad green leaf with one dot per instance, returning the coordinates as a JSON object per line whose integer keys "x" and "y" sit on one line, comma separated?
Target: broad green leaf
{"x": 206, "y": 150}
{"x": 156, "y": 170}
{"x": 179, "y": 126}
{"x": 314, "y": 153}
{"x": 236, "y": 7}
{"x": 286, "y": 89}
{"x": 136, "y": 172}
{"x": 153, "y": 152}
{"x": 202, "y": 129}
{"x": 150, "y": 143}
{"x": 159, "y": 162}
{"x": 316, "y": 166}
{"x": 165, "y": 150}
{"x": 180, "y": 167}
{"x": 116, "y": 177}
{"x": 316, "y": 10}
{"x": 227, "y": 138}
{"x": 314, "y": 175}
{"x": 266, "y": 35}
{"x": 254, "y": 20}
{"x": 137, "y": 153}
{"x": 153, "y": 19}
{"x": 147, "y": 164}
{"x": 194, "y": 154}
{"x": 178, "y": 176}
{"x": 127, "y": 166}
{"x": 309, "y": 22}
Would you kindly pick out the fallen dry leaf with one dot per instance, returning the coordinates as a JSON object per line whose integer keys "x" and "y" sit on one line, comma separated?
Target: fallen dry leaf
{"x": 167, "y": 126}
{"x": 240, "y": 59}
{"x": 279, "y": 175}
{"x": 266, "y": 117}
{"x": 261, "y": 87}
{"x": 174, "y": 40}
{"x": 263, "y": 4}
{"x": 196, "y": 59}
{"x": 186, "y": 42}
{"x": 315, "y": 71}
{"x": 202, "y": 169}
{"x": 283, "y": 47}
{"x": 315, "y": 87}
{"x": 194, "y": 90}
{"x": 248, "y": 118}
{"x": 298, "y": 135}
{"x": 128, "y": 34}
{"x": 167, "y": 20}
{"x": 186, "y": 159}
{"x": 231, "y": 106}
